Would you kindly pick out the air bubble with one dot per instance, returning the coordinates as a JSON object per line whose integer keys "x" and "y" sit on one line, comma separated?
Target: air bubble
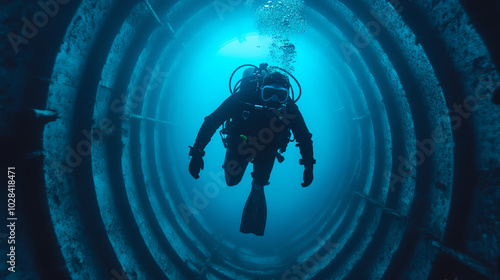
{"x": 277, "y": 20}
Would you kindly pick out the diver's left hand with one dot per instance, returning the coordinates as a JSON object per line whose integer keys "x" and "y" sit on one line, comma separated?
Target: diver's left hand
{"x": 308, "y": 176}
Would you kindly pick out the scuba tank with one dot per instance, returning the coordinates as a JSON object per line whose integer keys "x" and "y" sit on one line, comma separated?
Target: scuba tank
{"x": 245, "y": 91}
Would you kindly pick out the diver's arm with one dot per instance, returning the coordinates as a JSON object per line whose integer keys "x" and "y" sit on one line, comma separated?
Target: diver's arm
{"x": 207, "y": 130}
{"x": 304, "y": 140}
{"x": 302, "y": 135}
{"x": 214, "y": 121}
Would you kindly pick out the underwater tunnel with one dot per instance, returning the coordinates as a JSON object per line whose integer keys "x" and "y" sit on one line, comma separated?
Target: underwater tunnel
{"x": 401, "y": 98}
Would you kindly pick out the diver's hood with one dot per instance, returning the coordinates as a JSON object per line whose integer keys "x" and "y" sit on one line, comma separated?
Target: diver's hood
{"x": 277, "y": 78}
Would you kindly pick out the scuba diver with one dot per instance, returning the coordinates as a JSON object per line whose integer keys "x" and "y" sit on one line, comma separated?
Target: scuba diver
{"x": 257, "y": 118}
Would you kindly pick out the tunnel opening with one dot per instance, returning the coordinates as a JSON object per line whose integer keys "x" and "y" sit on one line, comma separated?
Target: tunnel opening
{"x": 392, "y": 210}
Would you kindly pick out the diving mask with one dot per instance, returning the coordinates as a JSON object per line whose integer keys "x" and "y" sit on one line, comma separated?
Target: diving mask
{"x": 274, "y": 92}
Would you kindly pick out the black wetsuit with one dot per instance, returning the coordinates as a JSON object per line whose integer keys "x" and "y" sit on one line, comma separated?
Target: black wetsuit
{"x": 265, "y": 130}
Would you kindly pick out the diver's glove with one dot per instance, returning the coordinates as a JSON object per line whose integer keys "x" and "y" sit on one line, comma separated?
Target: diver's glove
{"x": 308, "y": 171}
{"x": 196, "y": 164}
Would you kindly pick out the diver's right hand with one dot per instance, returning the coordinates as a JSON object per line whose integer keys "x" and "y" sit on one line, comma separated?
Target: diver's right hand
{"x": 195, "y": 166}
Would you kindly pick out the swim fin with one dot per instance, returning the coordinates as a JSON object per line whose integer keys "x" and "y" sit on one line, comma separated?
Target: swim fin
{"x": 255, "y": 212}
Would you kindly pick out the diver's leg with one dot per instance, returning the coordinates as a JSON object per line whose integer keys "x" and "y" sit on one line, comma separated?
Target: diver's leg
{"x": 262, "y": 167}
{"x": 255, "y": 211}
{"x": 234, "y": 166}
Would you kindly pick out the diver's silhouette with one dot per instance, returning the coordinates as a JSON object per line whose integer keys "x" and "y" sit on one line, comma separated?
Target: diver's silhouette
{"x": 257, "y": 119}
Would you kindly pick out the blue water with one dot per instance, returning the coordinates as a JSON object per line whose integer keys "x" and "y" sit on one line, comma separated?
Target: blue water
{"x": 199, "y": 84}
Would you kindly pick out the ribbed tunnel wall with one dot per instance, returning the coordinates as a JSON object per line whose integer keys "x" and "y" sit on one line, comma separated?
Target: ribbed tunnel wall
{"x": 412, "y": 185}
